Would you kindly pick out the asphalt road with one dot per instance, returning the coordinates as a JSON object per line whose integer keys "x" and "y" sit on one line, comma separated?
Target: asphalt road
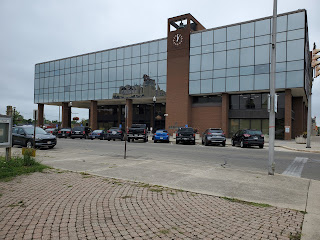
{"x": 249, "y": 159}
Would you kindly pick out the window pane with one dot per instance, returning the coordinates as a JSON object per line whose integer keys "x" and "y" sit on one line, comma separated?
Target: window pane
{"x": 295, "y": 65}
{"x": 233, "y": 33}
{"x": 219, "y": 60}
{"x": 247, "y": 30}
{"x": 98, "y": 57}
{"x": 232, "y": 84}
{"x": 195, "y": 63}
{"x": 295, "y": 79}
{"x": 261, "y": 81}
{"x": 120, "y": 53}
{"x": 233, "y": 58}
{"x": 246, "y": 82}
{"x": 219, "y": 73}
{"x": 247, "y": 56}
{"x": 296, "y": 34}
{"x": 256, "y": 124}
{"x": 135, "y": 51}
{"x": 233, "y": 126}
{"x": 195, "y": 50}
{"x": 206, "y": 86}
{"x": 262, "y": 27}
{"x": 262, "y": 40}
{"x": 194, "y": 87}
{"x": 163, "y": 46}
{"x": 220, "y": 47}
{"x": 194, "y": 76}
{"x": 247, "y": 42}
{"x": 280, "y": 80}
{"x": 220, "y": 35}
{"x": 295, "y": 50}
{"x": 281, "y": 52}
{"x": 244, "y": 123}
{"x": 207, "y": 62}
{"x": 232, "y": 72}
{"x": 207, "y": 48}
{"x": 281, "y": 67}
{"x": 195, "y": 40}
{"x": 233, "y": 44}
{"x": 282, "y": 23}
{"x": 105, "y": 56}
{"x": 219, "y": 85}
{"x": 262, "y": 54}
{"x": 206, "y": 74}
{"x": 247, "y": 70}
{"x": 264, "y": 68}
{"x": 296, "y": 21}
{"x": 207, "y": 37}
{"x": 281, "y": 37}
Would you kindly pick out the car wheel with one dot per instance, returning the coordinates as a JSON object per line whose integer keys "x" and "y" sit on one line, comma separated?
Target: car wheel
{"x": 261, "y": 146}
{"x": 72, "y": 137}
{"x": 206, "y": 142}
{"x": 155, "y": 141}
{"x": 91, "y": 138}
{"x": 145, "y": 140}
{"x": 177, "y": 142}
{"x": 223, "y": 144}
{"x": 110, "y": 139}
{"x": 132, "y": 139}
{"x": 194, "y": 143}
{"x": 29, "y": 144}
{"x": 242, "y": 144}
{"x": 128, "y": 140}
{"x": 232, "y": 142}
{"x": 51, "y": 147}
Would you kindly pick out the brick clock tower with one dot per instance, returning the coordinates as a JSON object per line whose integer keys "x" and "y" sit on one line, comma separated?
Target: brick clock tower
{"x": 178, "y": 106}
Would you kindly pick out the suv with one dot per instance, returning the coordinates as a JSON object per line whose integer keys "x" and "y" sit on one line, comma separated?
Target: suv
{"x": 115, "y": 133}
{"x": 138, "y": 131}
{"x": 80, "y": 132}
{"x": 248, "y": 137}
{"x": 186, "y": 135}
{"x": 214, "y": 136}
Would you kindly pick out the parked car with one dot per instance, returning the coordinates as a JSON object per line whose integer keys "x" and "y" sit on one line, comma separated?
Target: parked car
{"x": 247, "y": 138}
{"x": 138, "y": 131}
{"x": 100, "y": 134}
{"x": 64, "y": 133}
{"x": 186, "y": 135}
{"x": 214, "y": 136}
{"x": 53, "y": 131}
{"x": 80, "y": 132}
{"x": 161, "y": 136}
{"x": 115, "y": 133}
{"x": 23, "y": 136}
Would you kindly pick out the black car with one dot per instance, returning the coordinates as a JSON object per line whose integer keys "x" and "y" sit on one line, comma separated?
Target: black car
{"x": 64, "y": 133}
{"x": 99, "y": 134}
{"x": 214, "y": 136}
{"x": 247, "y": 138}
{"x": 80, "y": 132}
{"x": 186, "y": 135}
{"x": 23, "y": 136}
{"x": 115, "y": 133}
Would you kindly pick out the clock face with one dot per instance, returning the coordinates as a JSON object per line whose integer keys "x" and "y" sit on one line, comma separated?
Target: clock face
{"x": 177, "y": 39}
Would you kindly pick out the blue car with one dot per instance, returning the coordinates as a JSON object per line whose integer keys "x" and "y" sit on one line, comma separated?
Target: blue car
{"x": 161, "y": 135}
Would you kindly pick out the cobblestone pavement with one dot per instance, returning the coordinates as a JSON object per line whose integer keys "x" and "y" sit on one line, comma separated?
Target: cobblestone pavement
{"x": 66, "y": 205}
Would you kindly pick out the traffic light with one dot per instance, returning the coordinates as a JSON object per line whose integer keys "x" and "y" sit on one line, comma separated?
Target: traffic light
{"x": 315, "y": 64}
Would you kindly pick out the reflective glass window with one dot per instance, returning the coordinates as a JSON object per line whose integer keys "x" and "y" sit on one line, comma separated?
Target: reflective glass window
{"x": 85, "y": 60}
{"x": 246, "y": 56}
{"x": 263, "y": 68}
{"x": 153, "y": 69}
{"x": 120, "y": 62}
{"x": 219, "y": 85}
{"x": 246, "y": 82}
{"x": 144, "y": 69}
{"x": 119, "y": 73}
{"x": 220, "y": 47}
{"x": 136, "y": 60}
{"x": 247, "y": 30}
{"x": 219, "y": 73}
{"x": 296, "y": 20}
{"x": 105, "y": 56}
{"x": 232, "y": 84}
{"x": 162, "y": 79}
{"x": 163, "y": 46}
{"x": 136, "y": 51}
{"x": 144, "y": 49}
{"x": 194, "y": 76}
{"x": 233, "y": 58}
{"x": 42, "y": 67}
{"x": 194, "y": 87}
{"x": 52, "y": 66}
{"x": 92, "y": 59}
{"x": 127, "y": 72}
{"x": 295, "y": 65}
{"x": 97, "y": 94}
{"x": 262, "y": 27}
{"x": 206, "y": 86}
{"x": 281, "y": 52}
{"x": 262, "y": 54}
{"x": 220, "y": 59}
{"x": 295, "y": 50}
{"x": 153, "y": 47}
{"x": 281, "y": 37}
{"x": 195, "y": 40}
{"x": 136, "y": 71}
{"x": 234, "y": 102}
{"x": 112, "y": 74}
{"x": 195, "y": 50}
{"x": 280, "y": 80}
{"x": 261, "y": 81}
{"x": 162, "y": 68}
{"x": 112, "y": 55}
{"x": 79, "y": 61}
{"x": 249, "y": 42}
{"x": 98, "y": 57}
{"x": 295, "y": 79}
{"x": 85, "y": 77}
{"x": 281, "y": 67}
{"x": 47, "y": 67}
{"x": 37, "y": 68}
{"x": 244, "y": 101}
{"x": 296, "y": 34}
{"x": 127, "y": 52}
{"x": 233, "y": 44}
{"x": 233, "y": 33}
{"x": 207, "y": 62}
{"x": 127, "y": 61}
{"x": 282, "y": 23}
{"x": 206, "y": 74}
{"x": 195, "y": 63}
{"x": 97, "y": 75}
{"x": 231, "y": 72}
{"x": 262, "y": 40}
{"x": 120, "y": 53}
{"x": 207, "y": 38}
{"x": 207, "y": 49}
{"x": 56, "y": 66}
{"x": 220, "y": 35}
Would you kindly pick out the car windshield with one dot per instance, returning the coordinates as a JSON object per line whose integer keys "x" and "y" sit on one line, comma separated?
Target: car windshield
{"x": 216, "y": 131}
{"x": 30, "y": 130}
{"x": 65, "y": 129}
{"x": 254, "y": 132}
{"x": 97, "y": 131}
{"x": 186, "y": 130}
{"x": 78, "y": 129}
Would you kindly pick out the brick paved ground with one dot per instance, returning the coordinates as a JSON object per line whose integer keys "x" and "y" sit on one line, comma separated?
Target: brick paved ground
{"x": 65, "y": 205}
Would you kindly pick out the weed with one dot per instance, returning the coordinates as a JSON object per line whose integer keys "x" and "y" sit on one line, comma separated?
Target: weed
{"x": 19, "y": 204}
{"x": 164, "y": 231}
{"x": 84, "y": 173}
{"x": 155, "y": 190}
{"x": 180, "y": 190}
{"x": 296, "y": 236}
{"x": 171, "y": 193}
{"x": 0, "y": 194}
{"x": 69, "y": 186}
{"x": 125, "y": 197}
{"x": 248, "y": 203}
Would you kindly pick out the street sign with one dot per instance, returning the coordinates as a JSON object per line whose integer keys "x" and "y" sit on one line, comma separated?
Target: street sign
{"x": 5, "y": 131}
{"x": 120, "y": 125}
{"x": 186, "y": 125}
{"x": 35, "y": 114}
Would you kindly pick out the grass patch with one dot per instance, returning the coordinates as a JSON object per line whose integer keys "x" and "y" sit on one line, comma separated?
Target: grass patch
{"x": 296, "y": 236}
{"x": 19, "y": 204}
{"x": 247, "y": 203}
{"x": 164, "y": 231}
{"x": 19, "y": 165}
{"x": 155, "y": 190}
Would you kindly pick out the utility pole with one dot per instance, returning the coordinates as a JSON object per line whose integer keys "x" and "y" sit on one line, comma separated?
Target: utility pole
{"x": 126, "y": 130}
{"x": 272, "y": 115}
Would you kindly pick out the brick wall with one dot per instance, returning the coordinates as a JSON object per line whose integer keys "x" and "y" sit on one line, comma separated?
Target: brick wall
{"x": 206, "y": 117}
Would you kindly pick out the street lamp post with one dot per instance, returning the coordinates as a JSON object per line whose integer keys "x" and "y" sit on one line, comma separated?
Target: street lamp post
{"x": 154, "y": 112}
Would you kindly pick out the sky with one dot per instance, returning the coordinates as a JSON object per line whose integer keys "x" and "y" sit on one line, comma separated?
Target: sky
{"x": 39, "y": 31}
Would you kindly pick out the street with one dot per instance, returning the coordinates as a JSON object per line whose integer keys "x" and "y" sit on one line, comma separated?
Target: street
{"x": 248, "y": 159}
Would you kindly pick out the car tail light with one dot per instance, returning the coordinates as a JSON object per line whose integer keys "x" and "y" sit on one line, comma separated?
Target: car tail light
{"x": 144, "y": 131}
{"x": 98, "y": 134}
{"x": 194, "y": 134}
{"x": 246, "y": 135}
{"x": 167, "y": 134}
{"x": 84, "y": 132}
{"x": 262, "y": 135}
{"x": 59, "y": 131}
{"x": 68, "y": 132}
{"x": 120, "y": 131}
{"x": 209, "y": 133}
{"x": 109, "y": 131}
{"x": 128, "y": 131}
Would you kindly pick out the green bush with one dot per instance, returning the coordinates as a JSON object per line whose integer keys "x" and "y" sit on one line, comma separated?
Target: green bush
{"x": 18, "y": 166}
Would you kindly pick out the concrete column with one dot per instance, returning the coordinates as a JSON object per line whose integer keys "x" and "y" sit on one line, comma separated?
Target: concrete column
{"x": 40, "y": 114}
{"x": 94, "y": 115}
{"x": 66, "y": 115}
{"x": 130, "y": 112}
{"x": 288, "y": 114}
{"x": 119, "y": 114}
{"x": 225, "y": 113}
